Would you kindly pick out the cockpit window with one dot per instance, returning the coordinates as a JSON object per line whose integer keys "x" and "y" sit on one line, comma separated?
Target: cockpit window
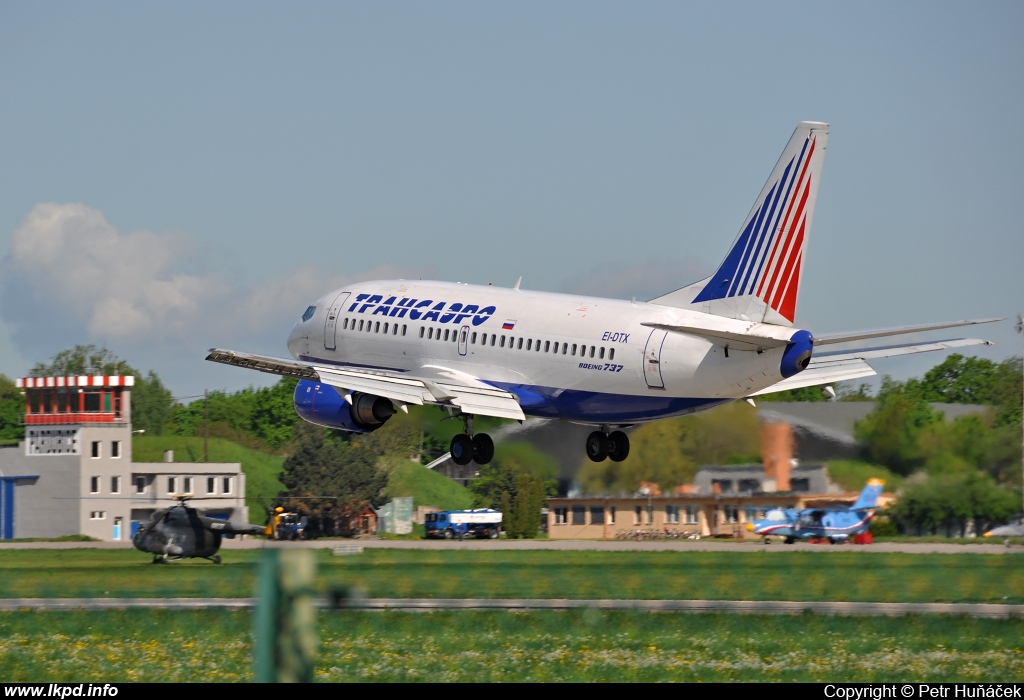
{"x": 309, "y": 313}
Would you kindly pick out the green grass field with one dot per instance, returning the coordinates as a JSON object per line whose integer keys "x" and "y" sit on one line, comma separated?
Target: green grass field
{"x": 584, "y": 645}
{"x": 427, "y": 487}
{"x": 387, "y": 573}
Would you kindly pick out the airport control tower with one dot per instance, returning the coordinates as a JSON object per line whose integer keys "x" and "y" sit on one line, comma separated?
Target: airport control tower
{"x": 74, "y": 473}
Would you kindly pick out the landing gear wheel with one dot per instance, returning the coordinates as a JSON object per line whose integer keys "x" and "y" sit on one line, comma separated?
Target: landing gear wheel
{"x": 483, "y": 448}
{"x": 597, "y": 446}
{"x": 618, "y": 446}
{"x": 462, "y": 449}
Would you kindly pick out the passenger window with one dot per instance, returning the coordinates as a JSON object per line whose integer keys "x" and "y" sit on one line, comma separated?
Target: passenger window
{"x": 602, "y": 353}
{"x": 430, "y": 333}
{"x": 502, "y": 341}
{"x": 537, "y": 346}
{"x": 591, "y": 350}
{"x": 464, "y": 334}
{"x": 472, "y": 338}
{"x": 369, "y": 327}
{"x": 385, "y": 328}
{"x": 376, "y": 327}
{"x": 394, "y": 329}
{"x": 344, "y": 326}
{"x": 520, "y": 346}
{"x": 611, "y": 354}
{"x": 511, "y": 342}
{"x": 547, "y": 346}
{"x": 422, "y": 331}
{"x": 565, "y": 348}
{"x": 583, "y": 351}
{"x": 574, "y": 349}
{"x": 493, "y": 338}
{"x": 403, "y": 329}
{"x": 529, "y": 344}
{"x": 308, "y": 314}
{"x": 360, "y": 324}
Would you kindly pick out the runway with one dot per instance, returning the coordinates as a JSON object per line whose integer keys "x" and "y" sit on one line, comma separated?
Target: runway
{"x": 708, "y": 545}
{"x": 763, "y": 607}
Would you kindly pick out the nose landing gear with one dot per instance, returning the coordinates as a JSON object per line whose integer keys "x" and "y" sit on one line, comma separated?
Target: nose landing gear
{"x": 601, "y": 444}
{"x": 468, "y": 448}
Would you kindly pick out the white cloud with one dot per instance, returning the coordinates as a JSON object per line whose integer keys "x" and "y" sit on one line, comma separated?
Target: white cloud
{"x": 121, "y": 285}
{"x": 71, "y": 277}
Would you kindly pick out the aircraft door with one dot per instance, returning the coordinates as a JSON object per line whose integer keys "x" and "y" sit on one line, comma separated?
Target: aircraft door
{"x": 652, "y": 359}
{"x": 331, "y": 325}
{"x": 463, "y": 340}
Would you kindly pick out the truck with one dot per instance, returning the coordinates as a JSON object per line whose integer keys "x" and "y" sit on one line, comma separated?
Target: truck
{"x": 480, "y": 523}
{"x": 285, "y": 526}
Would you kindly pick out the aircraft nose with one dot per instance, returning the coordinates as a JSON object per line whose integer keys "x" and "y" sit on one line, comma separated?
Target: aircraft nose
{"x": 298, "y": 341}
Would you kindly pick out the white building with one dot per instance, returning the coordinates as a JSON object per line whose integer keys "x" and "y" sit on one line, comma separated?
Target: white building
{"x": 74, "y": 474}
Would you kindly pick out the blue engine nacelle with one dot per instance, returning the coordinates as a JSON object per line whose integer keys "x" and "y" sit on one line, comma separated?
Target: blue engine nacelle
{"x": 798, "y": 354}
{"x": 323, "y": 405}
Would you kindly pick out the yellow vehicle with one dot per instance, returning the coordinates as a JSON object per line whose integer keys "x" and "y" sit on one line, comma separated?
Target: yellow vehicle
{"x": 285, "y": 526}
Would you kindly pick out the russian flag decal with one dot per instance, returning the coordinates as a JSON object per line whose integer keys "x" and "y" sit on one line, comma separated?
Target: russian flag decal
{"x": 508, "y": 325}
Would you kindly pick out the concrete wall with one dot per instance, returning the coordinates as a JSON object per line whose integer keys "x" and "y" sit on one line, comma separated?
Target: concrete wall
{"x": 50, "y": 505}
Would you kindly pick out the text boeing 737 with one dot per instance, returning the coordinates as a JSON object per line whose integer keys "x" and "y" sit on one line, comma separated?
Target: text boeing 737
{"x": 365, "y": 350}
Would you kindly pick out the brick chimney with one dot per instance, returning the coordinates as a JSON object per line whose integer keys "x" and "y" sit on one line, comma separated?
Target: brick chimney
{"x": 776, "y": 453}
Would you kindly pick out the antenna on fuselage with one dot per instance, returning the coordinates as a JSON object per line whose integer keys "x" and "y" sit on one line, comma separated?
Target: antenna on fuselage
{"x": 518, "y": 282}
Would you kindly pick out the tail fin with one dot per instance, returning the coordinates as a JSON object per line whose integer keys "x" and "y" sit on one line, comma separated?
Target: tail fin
{"x": 869, "y": 496}
{"x": 760, "y": 277}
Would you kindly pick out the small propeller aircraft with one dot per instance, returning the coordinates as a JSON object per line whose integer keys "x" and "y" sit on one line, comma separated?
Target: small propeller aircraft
{"x": 833, "y": 524}
{"x": 181, "y": 532}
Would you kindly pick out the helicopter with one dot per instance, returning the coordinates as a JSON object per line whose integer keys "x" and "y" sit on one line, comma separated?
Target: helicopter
{"x": 181, "y": 532}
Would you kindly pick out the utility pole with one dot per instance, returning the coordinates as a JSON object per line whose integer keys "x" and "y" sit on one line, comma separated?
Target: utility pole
{"x": 206, "y": 426}
{"x": 1020, "y": 329}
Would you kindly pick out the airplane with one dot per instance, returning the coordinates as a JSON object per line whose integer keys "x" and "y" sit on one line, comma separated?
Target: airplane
{"x": 1014, "y": 528}
{"x": 833, "y": 524}
{"x": 369, "y": 349}
{"x": 181, "y": 532}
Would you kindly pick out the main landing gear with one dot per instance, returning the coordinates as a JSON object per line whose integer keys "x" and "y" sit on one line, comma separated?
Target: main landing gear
{"x": 602, "y": 444}
{"x": 468, "y": 448}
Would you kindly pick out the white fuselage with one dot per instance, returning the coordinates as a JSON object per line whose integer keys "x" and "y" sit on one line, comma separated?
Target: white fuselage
{"x": 607, "y": 368}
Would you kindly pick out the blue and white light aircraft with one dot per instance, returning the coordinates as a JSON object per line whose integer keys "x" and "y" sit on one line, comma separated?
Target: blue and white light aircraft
{"x": 368, "y": 349}
{"x": 833, "y": 524}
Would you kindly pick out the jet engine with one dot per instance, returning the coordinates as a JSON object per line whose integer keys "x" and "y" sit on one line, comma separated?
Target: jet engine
{"x": 798, "y": 354}
{"x": 322, "y": 404}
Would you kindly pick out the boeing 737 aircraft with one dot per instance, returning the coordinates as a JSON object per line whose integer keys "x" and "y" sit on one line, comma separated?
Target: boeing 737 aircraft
{"x": 368, "y": 349}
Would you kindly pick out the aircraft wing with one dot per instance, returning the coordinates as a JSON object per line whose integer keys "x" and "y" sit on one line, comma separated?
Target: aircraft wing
{"x": 441, "y": 387}
{"x": 844, "y": 365}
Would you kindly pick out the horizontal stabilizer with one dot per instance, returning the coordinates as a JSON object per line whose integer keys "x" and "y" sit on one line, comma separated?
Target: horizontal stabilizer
{"x": 735, "y": 341}
{"x": 826, "y": 373}
{"x": 844, "y": 365}
{"x": 896, "y": 350}
{"x": 832, "y": 338}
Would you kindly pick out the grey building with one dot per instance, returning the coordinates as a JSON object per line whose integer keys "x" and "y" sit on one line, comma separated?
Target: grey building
{"x": 74, "y": 475}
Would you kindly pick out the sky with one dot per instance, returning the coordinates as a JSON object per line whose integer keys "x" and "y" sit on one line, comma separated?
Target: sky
{"x": 181, "y": 176}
